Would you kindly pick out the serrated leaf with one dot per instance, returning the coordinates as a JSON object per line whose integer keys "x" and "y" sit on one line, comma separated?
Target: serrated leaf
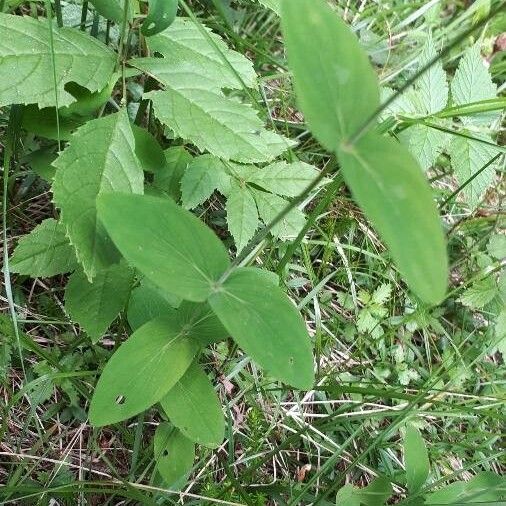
{"x": 425, "y": 144}
{"x": 204, "y": 175}
{"x": 269, "y": 206}
{"x": 100, "y": 158}
{"x": 167, "y": 244}
{"x": 327, "y": 85}
{"x": 186, "y": 43}
{"x": 174, "y": 454}
{"x": 274, "y": 5}
{"x": 266, "y": 325}
{"x": 40, "y": 162}
{"x": 416, "y": 459}
{"x": 242, "y": 215}
{"x": 497, "y": 246}
{"x": 177, "y": 160}
{"x": 226, "y": 128}
{"x": 96, "y": 305}
{"x": 472, "y": 83}
{"x": 390, "y": 188}
{"x": 147, "y": 303}
{"x": 42, "y": 122}
{"x": 431, "y": 86}
{"x": 193, "y": 406}
{"x": 143, "y": 369}
{"x": 480, "y": 293}
{"x": 25, "y": 71}
{"x": 161, "y": 15}
{"x": 287, "y": 179}
{"x": 481, "y": 489}
{"x": 44, "y": 252}
{"x": 468, "y": 157}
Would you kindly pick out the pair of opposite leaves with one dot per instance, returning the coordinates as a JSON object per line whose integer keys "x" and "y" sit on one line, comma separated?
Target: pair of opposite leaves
{"x": 338, "y": 92}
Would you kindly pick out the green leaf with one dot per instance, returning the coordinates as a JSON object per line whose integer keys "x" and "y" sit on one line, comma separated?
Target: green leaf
{"x": 147, "y": 303}
{"x": 167, "y": 244}
{"x": 242, "y": 215}
{"x": 25, "y": 72}
{"x": 174, "y": 454}
{"x": 480, "y": 293}
{"x": 431, "y": 86}
{"x": 100, "y": 158}
{"x": 425, "y": 144}
{"x": 196, "y": 50}
{"x": 472, "y": 83}
{"x": 266, "y": 325}
{"x": 485, "y": 488}
{"x": 224, "y": 127}
{"x": 162, "y": 14}
{"x": 143, "y": 369}
{"x": 288, "y": 179}
{"x": 112, "y": 9}
{"x": 468, "y": 157}
{"x": 496, "y": 246}
{"x": 204, "y": 175}
{"x": 416, "y": 459}
{"x": 42, "y": 122}
{"x": 177, "y": 159}
{"x": 40, "y": 162}
{"x": 338, "y": 90}
{"x": 348, "y": 496}
{"x": 96, "y": 305}
{"x": 375, "y": 494}
{"x": 269, "y": 206}
{"x": 274, "y": 5}
{"x": 44, "y": 252}
{"x": 193, "y": 406}
{"x": 389, "y": 186}
{"x": 148, "y": 151}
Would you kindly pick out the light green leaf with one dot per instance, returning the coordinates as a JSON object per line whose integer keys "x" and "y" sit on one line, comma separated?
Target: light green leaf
{"x": 40, "y": 162}
{"x": 497, "y": 246}
{"x": 177, "y": 159}
{"x": 375, "y": 494}
{"x": 266, "y": 325}
{"x": 204, "y": 175}
{"x": 416, "y": 459}
{"x": 24, "y": 71}
{"x": 288, "y": 179}
{"x": 472, "y": 83}
{"x": 44, "y": 252}
{"x": 100, "y": 158}
{"x": 348, "y": 496}
{"x": 274, "y": 5}
{"x": 167, "y": 244}
{"x": 485, "y": 488}
{"x": 186, "y": 43}
{"x": 162, "y": 14}
{"x": 242, "y": 215}
{"x": 224, "y": 127}
{"x": 389, "y": 186}
{"x": 149, "y": 153}
{"x": 431, "y": 86}
{"x": 147, "y": 303}
{"x": 425, "y": 144}
{"x": 112, "y": 9}
{"x": 480, "y": 293}
{"x": 174, "y": 454}
{"x": 269, "y": 206}
{"x": 193, "y": 406}
{"x": 96, "y": 305}
{"x": 143, "y": 369}
{"x": 337, "y": 89}
{"x": 468, "y": 157}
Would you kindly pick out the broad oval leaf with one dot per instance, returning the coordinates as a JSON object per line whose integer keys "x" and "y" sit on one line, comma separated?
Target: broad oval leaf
{"x": 390, "y": 187}
{"x": 193, "y": 406}
{"x": 416, "y": 459}
{"x": 266, "y": 325}
{"x": 112, "y": 9}
{"x": 162, "y": 14}
{"x": 148, "y": 151}
{"x": 174, "y": 454}
{"x": 100, "y": 158}
{"x": 169, "y": 245}
{"x": 96, "y": 305}
{"x": 143, "y": 369}
{"x": 336, "y": 86}
{"x": 45, "y": 252}
{"x": 24, "y": 71}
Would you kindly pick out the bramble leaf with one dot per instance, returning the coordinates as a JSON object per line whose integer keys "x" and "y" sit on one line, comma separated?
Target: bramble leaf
{"x": 242, "y": 215}
{"x": 24, "y": 71}
{"x": 44, "y": 252}
{"x": 167, "y": 244}
{"x": 100, "y": 158}
{"x": 96, "y": 305}
{"x": 266, "y": 325}
{"x": 193, "y": 406}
